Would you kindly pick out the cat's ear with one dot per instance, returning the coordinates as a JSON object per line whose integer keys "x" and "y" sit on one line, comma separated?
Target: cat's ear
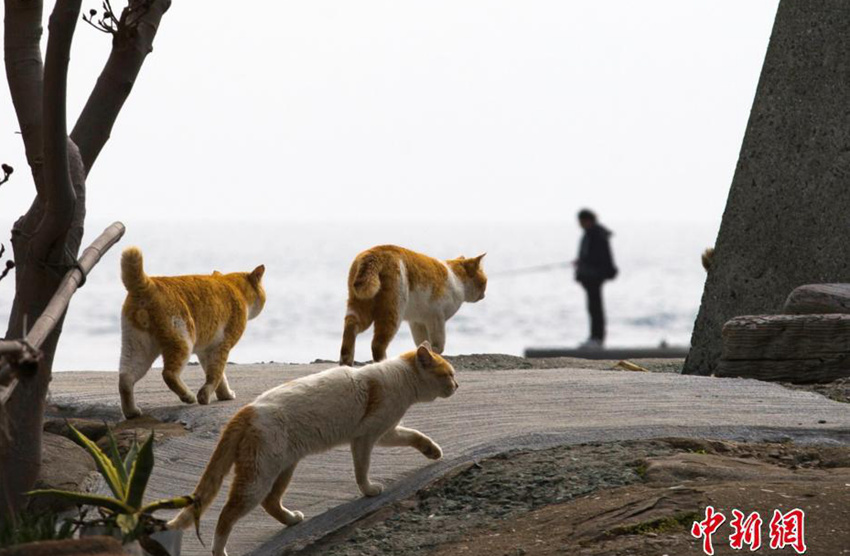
{"x": 473, "y": 263}
{"x": 423, "y": 354}
{"x": 257, "y": 273}
{"x": 216, "y": 273}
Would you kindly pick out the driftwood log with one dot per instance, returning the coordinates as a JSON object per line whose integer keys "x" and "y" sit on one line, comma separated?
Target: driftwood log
{"x": 818, "y": 299}
{"x": 787, "y": 348}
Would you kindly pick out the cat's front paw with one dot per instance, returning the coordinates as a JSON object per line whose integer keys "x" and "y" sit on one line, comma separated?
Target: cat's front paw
{"x": 224, "y": 396}
{"x": 188, "y": 398}
{"x": 294, "y": 519}
{"x": 204, "y": 395}
{"x": 432, "y": 451}
{"x": 372, "y": 489}
{"x": 132, "y": 413}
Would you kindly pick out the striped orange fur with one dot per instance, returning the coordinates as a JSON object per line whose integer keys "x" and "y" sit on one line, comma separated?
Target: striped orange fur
{"x": 176, "y": 316}
{"x": 390, "y": 284}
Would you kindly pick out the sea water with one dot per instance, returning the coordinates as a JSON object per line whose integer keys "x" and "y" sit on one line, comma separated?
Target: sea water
{"x": 654, "y": 299}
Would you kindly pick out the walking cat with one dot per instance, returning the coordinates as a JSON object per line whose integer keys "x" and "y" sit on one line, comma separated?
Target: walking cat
{"x": 266, "y": 439}
{"x": 176, "y": 316}
{"x": 389, "y": 284}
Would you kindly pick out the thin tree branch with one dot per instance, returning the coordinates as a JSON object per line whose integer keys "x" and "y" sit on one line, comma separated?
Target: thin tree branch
{"x": 59, "y": 192}
{"x": 24, "y": 73}
{"x": 130, "y": 46}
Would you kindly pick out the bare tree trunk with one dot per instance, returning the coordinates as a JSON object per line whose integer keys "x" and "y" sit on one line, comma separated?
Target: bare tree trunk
{"x": 46, "y": 240}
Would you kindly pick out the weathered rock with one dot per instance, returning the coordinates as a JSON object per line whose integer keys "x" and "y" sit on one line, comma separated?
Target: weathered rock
{"x": 785, "y": 222}
{"x": 679, "y": 468}
{"x": 780, "y": 337}
{"x": 801, "y": 349}
{"x": 92, "y": 428}
{"x": 139, "y": 429}
{"x": 66, "y": 466}
{"x": 818, "y": 299}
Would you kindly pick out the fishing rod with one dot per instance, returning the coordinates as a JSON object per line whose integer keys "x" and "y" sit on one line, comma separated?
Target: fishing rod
{"x": 530, "y": 269}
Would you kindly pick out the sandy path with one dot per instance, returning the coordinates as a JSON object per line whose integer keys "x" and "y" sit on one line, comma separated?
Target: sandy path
{"x": 492, "y": 410}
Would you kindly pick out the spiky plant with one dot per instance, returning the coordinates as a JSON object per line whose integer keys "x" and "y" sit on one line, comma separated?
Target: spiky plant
{"x": 127, "y": 478}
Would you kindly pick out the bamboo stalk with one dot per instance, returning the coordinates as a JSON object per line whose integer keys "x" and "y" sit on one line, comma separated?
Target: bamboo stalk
{"x": 55, "y": 309}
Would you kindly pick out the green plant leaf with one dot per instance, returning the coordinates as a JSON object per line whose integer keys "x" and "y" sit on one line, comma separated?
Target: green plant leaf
{"x": 130, "y": 457}
{"x": 111, "y": 504}
{"x": 140, "y": 474}
{"x": 104, "y": 464}
{"x": 115, "y": 456}
{"x": 168, "y": 504}
{"x": 66, "y": 531}
{"x": 127, "y": 523}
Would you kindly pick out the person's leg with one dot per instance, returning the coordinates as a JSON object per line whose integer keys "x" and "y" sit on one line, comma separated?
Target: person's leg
{"x": 597, "y": 313}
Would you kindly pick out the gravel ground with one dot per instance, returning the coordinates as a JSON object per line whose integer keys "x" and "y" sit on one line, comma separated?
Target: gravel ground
{"x": 495, "y": 489}
{"x": 838, "y": 390}
{"x": 498, "y": 502}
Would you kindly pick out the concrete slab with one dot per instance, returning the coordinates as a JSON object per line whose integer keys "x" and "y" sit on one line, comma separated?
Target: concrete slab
{"x": 492, "y": 411}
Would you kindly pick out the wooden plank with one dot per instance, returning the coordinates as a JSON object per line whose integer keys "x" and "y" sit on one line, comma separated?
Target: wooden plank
{"x": 671, "y": 352}
{"x": 786, "y": 337}
{"x": 818, "y": 299}
{"x": 799, "y": 371}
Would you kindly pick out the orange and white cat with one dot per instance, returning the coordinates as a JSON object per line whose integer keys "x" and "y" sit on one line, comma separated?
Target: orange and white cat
{"x": 266, "y": 439}
{"x": 389, "y": 284}
{"x": 176, "y": 316}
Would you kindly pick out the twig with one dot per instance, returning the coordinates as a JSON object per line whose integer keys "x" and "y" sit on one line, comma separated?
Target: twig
{"x": 7, "y": 171}
{"x": 110, "y": 24}
{"x": 10, "y": 264}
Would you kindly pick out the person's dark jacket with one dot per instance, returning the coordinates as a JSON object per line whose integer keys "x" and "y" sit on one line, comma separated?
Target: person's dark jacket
{"x": 595, "y": 262}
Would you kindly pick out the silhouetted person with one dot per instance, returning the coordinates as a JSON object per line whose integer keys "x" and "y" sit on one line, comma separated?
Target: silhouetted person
{"x": 593, "y": 266}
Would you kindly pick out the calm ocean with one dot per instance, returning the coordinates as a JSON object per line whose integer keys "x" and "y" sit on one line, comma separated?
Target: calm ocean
{"x": 654, "y": 299}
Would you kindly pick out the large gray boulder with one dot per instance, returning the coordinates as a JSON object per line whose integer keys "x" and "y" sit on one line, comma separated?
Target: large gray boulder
{"x": 65, "y": 466}
{"x": 787, "y": 218}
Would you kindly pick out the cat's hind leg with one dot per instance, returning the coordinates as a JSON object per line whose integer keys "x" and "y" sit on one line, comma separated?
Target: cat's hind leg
{"x": 252, "y": 481}
{"x": 223, "y": 391}
{"x": 174, "y": 359}
{"x": 357, "y": 319}
{"x": 403, "y": 436}
{"x": 214, "y": 361}
{"x": 419, "y": 332}
{"x": 239, "y": 503}
{"x": 386, "y": 326}
{"x": 349, "y": 338}
{"x": 272, "y": 503}
{"x": 138, "y": 352}
{"x": 437, "y": 335}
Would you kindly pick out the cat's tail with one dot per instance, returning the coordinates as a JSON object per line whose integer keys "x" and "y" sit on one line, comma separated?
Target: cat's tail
{"x": 239, "y": 436}
{"x": 133, "y": 271}
{"x": 366, "y": 281}
{"x": 708, "y": 258}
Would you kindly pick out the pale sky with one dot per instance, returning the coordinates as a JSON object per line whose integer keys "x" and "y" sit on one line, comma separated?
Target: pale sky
{"x": 457, "y": 110}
